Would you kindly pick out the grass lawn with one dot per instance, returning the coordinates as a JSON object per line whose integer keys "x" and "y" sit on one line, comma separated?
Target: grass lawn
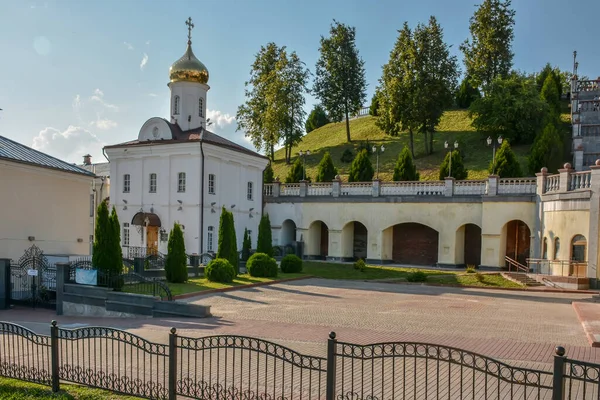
{"x": 454, "y": 125}
{"x": 11, "y": 389}
{"x": 458, "y": 277}
{"x": 202, "y": 284}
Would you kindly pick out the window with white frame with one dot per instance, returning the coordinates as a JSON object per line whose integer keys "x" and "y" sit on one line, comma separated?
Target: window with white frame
{"x": 176, "y": 105}
{"x": 209, "y": 238}
{"x": 125, "y": 234}
{"x": 152, "y": 183}
{"x": 181, "y": 182}
{"x": 249, "y": 194}
{"x": 126, "y": 183}
{"x": 200, "y": 107}
{"x": 211, "y": 183}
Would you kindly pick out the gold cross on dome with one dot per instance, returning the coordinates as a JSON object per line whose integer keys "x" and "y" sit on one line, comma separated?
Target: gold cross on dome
{"x": 190, "y": 25}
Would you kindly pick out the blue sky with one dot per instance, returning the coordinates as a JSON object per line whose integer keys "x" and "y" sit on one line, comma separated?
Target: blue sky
{"x": 75, "y": 75}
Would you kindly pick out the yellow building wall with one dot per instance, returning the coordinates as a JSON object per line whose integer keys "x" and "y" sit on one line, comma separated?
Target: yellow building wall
{"x": 52, "y": 206}
{"x": 565, "y": 225}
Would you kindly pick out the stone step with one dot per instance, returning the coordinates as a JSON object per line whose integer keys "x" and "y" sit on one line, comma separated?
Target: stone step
{"x": 84, "y": 299}
{"x": 131, "y": 298}
{"x": 169, "y": 314}
{"x": 86, "y": 290}
{"x": 129, "y": 308}
{"x": 523, "y": 279}
{"x": 191, "y": 310}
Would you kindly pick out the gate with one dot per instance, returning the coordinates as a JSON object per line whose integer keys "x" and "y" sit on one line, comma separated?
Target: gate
{"x": 33, "y": 280}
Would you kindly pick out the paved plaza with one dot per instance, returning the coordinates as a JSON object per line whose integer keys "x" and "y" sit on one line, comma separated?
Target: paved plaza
{"x": 515, "y": 326}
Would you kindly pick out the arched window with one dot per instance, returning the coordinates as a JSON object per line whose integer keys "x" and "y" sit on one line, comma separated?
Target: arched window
{"x": 200, "y": 107}
{"x": 155, "y": 132}
{"x": 176, "y": 105}
{"x": 578, "y": 248}
{"x": 545, "y": 249}
{"x": 556, "y": 248}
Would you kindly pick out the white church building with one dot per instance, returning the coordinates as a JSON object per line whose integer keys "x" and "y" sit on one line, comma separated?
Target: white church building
{"x": 177, "y": 171}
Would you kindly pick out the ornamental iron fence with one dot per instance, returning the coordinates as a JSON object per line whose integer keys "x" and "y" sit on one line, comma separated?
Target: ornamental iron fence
{"x": 239, "y": 367}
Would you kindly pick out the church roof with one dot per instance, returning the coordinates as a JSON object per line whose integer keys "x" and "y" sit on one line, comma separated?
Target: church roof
{"x": 17, "y": 152}
{"x": 192, "y": 135}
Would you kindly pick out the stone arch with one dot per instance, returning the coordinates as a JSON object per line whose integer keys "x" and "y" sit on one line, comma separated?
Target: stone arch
{"x": 414, "y": 244}
{"x": 317, "y": 240}
{"x": 516, "y": 241}
{"x": 287, "y": 234}
{"x": 354, "y": 241}
{"x": 468, "y": 244}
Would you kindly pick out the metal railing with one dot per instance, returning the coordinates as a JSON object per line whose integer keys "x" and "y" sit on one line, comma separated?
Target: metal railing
{"x": 514, "y": 265}
{"x": 138, "y": 284}
{"x": 577, "y": 269}
{"x": 240, "y": 367}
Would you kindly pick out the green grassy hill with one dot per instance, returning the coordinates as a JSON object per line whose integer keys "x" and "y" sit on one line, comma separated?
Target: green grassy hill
{"x": 454, "y": 125}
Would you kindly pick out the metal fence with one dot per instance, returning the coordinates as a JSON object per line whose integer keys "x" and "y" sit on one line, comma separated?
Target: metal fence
{"x": 239, "y": 367}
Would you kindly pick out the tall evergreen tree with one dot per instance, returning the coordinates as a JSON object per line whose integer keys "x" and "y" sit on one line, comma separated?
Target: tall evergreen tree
{"x": 560, "y": 78}
{"x": 550, "y": 93}
{"x": 105, "y": 258}
{"x": 297, "y": 172}
{"x": 467, "y": 94}
{"x": 116, "y": 242}
{"x": 547, "y": 151}
{"x": 507, "y": 164}
{"x": 227, "y": 244}
{"x": 246, "y": 245}
{"x": 458, "y": 172}
{"x": 361, "y": 169}
{"x": 268, "y": 174}
{"x": 340, "y": 82}
{"x": 373, "y": 109}
{"x": 405, "y": 169}
{"x": 488, "y": 54}
{"x": 326, "y": 170}
{"x": 264, "y": 243}
{"x": 316, "y": 119}
{"x": 234, "y": 259}
{"x": 176, "y": 262}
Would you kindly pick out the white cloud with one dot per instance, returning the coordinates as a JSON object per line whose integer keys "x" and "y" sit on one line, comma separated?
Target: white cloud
{"x": 144, "y": 61}
{"x": 103, "y": 123}
{"x": 128, "y": 45}
{"x": 76, "y": 103}
{"x": 69, "y": 145}
{"x": 148, "y": 43}
{"x": 152, "y": 95}
{"x": 219, "y": 119}
{"x": 99, "y": 97}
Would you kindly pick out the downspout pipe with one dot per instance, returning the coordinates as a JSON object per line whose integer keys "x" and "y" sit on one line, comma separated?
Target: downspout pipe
{"x": 201, "y": 196}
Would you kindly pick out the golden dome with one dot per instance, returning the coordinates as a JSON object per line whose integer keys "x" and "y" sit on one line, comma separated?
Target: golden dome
{"x": 188, "y": 68}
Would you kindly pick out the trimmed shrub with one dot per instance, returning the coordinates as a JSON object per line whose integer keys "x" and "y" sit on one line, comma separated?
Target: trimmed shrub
{"x": 219, "y": 270}
{"x": 507, "y": 165}
{"x": 361, "y": 169}
{"x": 417, "y": 276}
{"x": 347, "y": 156}
{"x": 106, "y": 254}
{"x": 326, "y": 171}
{"x": 291, "y": 264}
{"x": 459, "y": 172}
{"x": 360, "y": 265}
{"x": 405, "y": 169}
{"x": 227, "y": 240}
{"x": 260, "y": 265}
{"x": 176, "y": 263}
{"x": 246, "y": 245}
{"x": 264, "y": 243}
{"x": 297, "y": 172}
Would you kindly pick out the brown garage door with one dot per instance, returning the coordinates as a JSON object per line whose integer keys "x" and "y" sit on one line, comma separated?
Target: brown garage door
{"x": 415, "y": 244}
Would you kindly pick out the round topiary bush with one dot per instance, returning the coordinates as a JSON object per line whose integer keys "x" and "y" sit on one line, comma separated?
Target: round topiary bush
{"x": 291, "y": 264}
{"x": 261, "y": 265}
{"x": 219, "y": 270}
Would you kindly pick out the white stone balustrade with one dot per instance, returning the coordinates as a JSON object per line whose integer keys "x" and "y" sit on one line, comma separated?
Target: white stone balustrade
{"x": 290, "y": 189}
{"x": 418, "y": 188}
{"x": 472, "y": 188}
{"x": 580, "y": 180}
{"x": 319, "y": 189}
{"x": 357, "y": 189}
{"x": 552, "y": 183}
{"x": 517, "y": 186}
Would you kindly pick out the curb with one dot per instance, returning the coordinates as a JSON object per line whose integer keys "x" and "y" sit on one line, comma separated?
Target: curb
{"x": 229, "y": 289}
{"x": 586, "y": 328}
{"x": 524, "y": 289}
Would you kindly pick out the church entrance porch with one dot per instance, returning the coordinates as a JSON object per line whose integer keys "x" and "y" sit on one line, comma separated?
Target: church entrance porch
{"x": 151, "y": 239}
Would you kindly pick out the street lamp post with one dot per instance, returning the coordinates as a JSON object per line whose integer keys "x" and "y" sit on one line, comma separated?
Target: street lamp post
{"x": 447, "y": 146}
{"x": 494, "y": 144}
{"x": 303, "y": 154}
{"x": 377, "y": 151}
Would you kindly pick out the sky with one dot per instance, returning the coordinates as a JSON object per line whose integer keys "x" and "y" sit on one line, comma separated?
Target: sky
{"x": 78, "y": 75}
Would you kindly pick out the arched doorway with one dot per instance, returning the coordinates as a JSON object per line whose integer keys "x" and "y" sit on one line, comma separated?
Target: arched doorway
{"x": 517, "y": 236}
{"x": 288, "y": 233}
{"x": 468, "y": 245}
{"x": 354, "y": 241}
{"x": 317, "y": 245}
{"x": 415, "y": 244}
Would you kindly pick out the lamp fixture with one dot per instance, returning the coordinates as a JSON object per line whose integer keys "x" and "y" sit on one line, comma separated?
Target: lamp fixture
{"x": 233, "y": 205}
{"x": 180, "y": 202}
{"x": 251, "y": 209}
{"x": 124, "y": 201}
{"x": 307, "y": 152}
{"x": 213, "y": 203}
{"x": 124, "y": 208}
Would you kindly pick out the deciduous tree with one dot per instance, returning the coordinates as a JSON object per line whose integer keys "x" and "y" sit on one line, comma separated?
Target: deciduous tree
{"x": 326, "y": 170}
{"x": 340, "y": 82}
{"x": 405, "y": 169}
{"x": 488, "y": 53}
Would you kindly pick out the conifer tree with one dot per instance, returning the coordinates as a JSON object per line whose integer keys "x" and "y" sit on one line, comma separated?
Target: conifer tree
{"x": 507, "y": 165}
{"x": 459, "y": 172}
{"x": 326, "y": 170}
{"x": 297, "y": 172}
{"x": 316, "y": 119}
{"x": 104, "y": 257}
{"x": 246, "y": 245}
{"x": 405, "y": 169}
{"x": 373, "y": 109}
{"x": 466, "y": 94}
{"x": 264, "y": 244}
{"x": 546, "y": 151}
{"x": 234, "y": 257}
{"x": 114, "y": 220}
{"x": 227, "y": 239}
{"x": 176, "y": 263}
{"x": 551, "y": 94}
{"x": 268, "y": 174}
{"x": 361, "y": 169}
